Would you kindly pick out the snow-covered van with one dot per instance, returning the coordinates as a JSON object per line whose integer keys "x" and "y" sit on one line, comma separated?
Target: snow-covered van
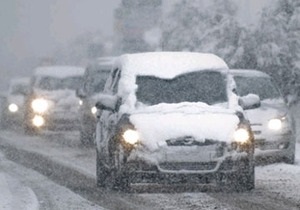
{"x": 52, "y": 102}
{"x": 173, "y": 117}
{"x": 12, "y": 110}
{"x": 94, "y": 79}
{"x": 272, "y": 123}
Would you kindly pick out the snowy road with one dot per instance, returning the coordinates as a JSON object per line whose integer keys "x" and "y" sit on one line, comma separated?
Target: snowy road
{"x": 71, "y": 168}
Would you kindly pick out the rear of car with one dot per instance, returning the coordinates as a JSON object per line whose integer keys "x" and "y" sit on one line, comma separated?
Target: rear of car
{"x": 272, "y": 123}
{"x": 94, "y": 79}
{"x": 52, "y": 102}
{"x": 172, "y": 117}
{"x": 13, "y": 106}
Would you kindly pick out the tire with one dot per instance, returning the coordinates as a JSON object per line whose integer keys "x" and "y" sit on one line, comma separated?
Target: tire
{"x": 240, "y": 181}
{"x": 102, "y": 173}
{"x": 289, "y": 160}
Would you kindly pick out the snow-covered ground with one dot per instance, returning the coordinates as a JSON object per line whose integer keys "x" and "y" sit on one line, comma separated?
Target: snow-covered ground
{"x": 277, "y": 185}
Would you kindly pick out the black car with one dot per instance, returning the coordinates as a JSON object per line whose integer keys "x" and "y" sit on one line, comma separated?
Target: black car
{"x": 169, "y": 117}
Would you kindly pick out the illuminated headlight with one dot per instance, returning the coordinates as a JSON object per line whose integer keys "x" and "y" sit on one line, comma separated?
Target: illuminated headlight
{"x": 131, "y": 136}
{"x": 80, "y": 102}
{"x": 38, "y": 121}
{"x": 13, "y": 108}
{"x": 39, "y": 105}
{"x": 241, "y": 135}
{"x": 275, "y": 124}
{"x": 94, "y": 110}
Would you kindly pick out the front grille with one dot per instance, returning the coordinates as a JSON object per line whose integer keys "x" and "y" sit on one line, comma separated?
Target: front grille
{"x": 191, "y": 166}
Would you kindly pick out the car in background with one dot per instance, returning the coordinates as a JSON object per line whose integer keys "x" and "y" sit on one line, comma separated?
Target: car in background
{"x": 173, "y": 117}
{"x": 272, "y": 123}
{"x": 12, "y": 109}
{"x": 94, "y": 79}
{"x": 52, "y": 102}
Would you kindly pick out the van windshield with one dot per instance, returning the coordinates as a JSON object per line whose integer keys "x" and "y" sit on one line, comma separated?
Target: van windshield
{"x": 261, "y": 86}
{"x": 202, "y": 86}
{"x": 53, "y": 83}
{"x": 95, "y": 81}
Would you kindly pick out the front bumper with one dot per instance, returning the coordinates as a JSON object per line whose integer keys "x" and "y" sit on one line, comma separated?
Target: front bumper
{"x": 200, "y": 172}
{"x": 275, "y": 148}
{"x": 58, "y": 121}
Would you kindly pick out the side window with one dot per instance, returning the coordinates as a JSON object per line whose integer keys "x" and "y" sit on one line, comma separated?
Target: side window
{"x": 115, "y": 83}
{"x": 112, "y": 81}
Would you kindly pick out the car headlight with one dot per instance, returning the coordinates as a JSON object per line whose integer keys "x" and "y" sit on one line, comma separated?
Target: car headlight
{"x": 13, "y": 108}
{"x": 39, "y": 105}
{"x": 80, "y": 102}
{"x": 241, "y": 135}
{"x": 275, "y": 124}
{"x": 131, "y": 136}
{"x": 94, "y": 110}
{"x": 38, "y": 121}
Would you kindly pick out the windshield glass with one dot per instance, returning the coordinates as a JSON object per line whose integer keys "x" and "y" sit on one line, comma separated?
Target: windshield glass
{"x": 18, "y": 89}
{"x": 205, "y": 86}
{"x": 95, "y": 81}
{"x": 53, "y": 83}
{"x": 261, "y": 86}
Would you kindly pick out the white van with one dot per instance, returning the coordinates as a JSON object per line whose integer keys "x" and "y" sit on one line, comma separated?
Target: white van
{"x": 52, "y": 102}
{"x": 272, "y": 123}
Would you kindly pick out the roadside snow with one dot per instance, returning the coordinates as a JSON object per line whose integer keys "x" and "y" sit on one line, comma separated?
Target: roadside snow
{"x": 285, "y": 176}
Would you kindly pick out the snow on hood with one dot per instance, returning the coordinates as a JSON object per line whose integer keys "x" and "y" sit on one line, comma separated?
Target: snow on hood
{"x": 268, "y": 109}
{"x": 156, "y": 124}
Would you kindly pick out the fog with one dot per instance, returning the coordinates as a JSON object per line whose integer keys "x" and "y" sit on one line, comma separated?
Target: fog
{"x": 31, "y": 31}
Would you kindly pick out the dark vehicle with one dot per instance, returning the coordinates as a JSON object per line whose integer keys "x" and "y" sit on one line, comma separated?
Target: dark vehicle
{"x": 272, "y": 123}
{"x": 13, "y": 103}
{"x": 173, "y": 117}
{"x": 52, "y": 102}
{"x": 95, "y": 76}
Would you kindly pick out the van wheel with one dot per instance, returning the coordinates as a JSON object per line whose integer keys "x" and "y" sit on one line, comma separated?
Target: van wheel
{"x": 102, "y": 172}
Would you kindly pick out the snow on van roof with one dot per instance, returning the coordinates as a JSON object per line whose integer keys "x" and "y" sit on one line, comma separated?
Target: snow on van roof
{"x": 20, "y": 80}
{"x": 102, "y": 64}
{"x": 168, "y": 64}
{"x": 248, "y": 72}
{"x": 59, "y": 71}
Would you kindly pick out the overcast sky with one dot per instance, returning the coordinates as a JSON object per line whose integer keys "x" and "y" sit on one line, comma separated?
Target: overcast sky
{"x": 31, "y": 29}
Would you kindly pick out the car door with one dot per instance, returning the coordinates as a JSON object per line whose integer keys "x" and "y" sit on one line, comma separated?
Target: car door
{"x": 106, "y": 121}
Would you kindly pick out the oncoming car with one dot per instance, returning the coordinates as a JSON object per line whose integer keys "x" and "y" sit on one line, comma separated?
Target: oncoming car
{"x": 169, "y": 117}
{"x": 94, "y": 79}
{"x": 52, "y": 102}
{"x": 272, "y": 123}
{"x": 13, "y": 106}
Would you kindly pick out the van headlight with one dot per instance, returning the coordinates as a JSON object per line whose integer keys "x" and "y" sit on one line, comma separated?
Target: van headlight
{"x": 94, "y": 110}
{"x": 38, "y": 121}
{"x": 275, "y": 124}
{"x": 131, "y": 136}
{"x": 13, "y": 107}
{"x": 241, "y": 135}
{"x": 39, "y": 105}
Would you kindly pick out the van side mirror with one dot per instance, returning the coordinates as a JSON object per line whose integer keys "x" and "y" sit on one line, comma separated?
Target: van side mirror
{"x": 80, "y": 93}
{"x": 250, "y": 101}
{"x": 107, "y": 102}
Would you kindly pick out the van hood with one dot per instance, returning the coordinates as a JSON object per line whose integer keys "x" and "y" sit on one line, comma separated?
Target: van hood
{"x": 16, "y": 99}
{"x": 60, "y": 100}
{"x": 269, "y": 109}
{"x": 194, "y": 121}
